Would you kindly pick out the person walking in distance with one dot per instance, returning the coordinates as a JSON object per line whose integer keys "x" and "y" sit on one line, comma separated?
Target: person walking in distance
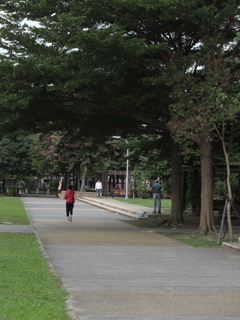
{"x": 60, "y": 187}
{"x": 69, "y": 197}
{"x": 156, "y": 189}
{"x": 98, "y": 188}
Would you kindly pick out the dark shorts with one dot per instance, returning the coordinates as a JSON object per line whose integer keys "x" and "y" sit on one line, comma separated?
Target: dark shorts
{"x": 99, "y": 190}
{"x": 69, "y": 208}
{"x": 59, "y": 191}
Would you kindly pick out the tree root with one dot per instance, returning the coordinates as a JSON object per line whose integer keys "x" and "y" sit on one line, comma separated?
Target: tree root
{"x": 175, "y": 224}
{"x": 205, "y": 232}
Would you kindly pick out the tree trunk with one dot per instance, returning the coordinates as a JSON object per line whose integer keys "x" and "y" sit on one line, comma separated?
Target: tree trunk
{"x": 74, "y": 183}
{"x": 83, "y": 185}
{"x": 104, "y": 184}
{"x": 206, "y": 217}
{"x": 39, "y": 182}
{"x": 78, "y": 180}
{"x": 3, "y": 185}
{"x": 230, "y": 197}
{"x": 229, "y": 207}
{"x": 66, "y": 180}
{"x": 176, "y": 216}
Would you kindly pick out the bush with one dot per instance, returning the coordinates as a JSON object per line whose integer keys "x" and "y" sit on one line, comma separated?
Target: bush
{"x": 11, "y": 191}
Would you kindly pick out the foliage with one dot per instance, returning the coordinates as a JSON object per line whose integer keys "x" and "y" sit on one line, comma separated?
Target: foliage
{"x": 150, "y": 159}
{"x": 220, "y": 187}
{"x": 206, "y": 94}
{"x": 206, "y": 97}
{"x": 77, "y": 85}
{"x": 59, "y": 153}
{"x": 113, "y": 68}
{"x": 126, "y": 84}
{"x": 11, "y": 191}
{"x": 141, "y": 186}
{"x": 39, "y": 163}
{"x": 15, "y": 156}
{"x": 29, "y": 182}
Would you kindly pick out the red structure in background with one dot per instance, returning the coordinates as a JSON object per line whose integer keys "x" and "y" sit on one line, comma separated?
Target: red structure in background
{"x": 114, "y": 182}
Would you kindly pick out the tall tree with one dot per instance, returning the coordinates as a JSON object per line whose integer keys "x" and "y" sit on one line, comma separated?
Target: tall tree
{"x": 98, "y": 62}
{"x": 89, "y": 68}
{"x": 206, "y": 95}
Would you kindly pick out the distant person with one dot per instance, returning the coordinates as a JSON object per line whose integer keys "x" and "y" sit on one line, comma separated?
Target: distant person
{"x": 60, "y": 187}
{"x": 98, "y": 188}
{"x": 156, "y": 189}
{"x": 69, "y": 197}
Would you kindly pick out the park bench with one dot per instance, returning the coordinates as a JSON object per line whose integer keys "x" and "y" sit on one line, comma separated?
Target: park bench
{"x": 120, "y": 192}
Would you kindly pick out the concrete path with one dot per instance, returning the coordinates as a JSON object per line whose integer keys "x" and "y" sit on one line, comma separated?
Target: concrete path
{"x": 16, "y": 228}
{"x": 114, "y": 271}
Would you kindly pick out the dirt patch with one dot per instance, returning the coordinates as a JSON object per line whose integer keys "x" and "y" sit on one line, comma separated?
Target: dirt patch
{"x": 107, "y": 238}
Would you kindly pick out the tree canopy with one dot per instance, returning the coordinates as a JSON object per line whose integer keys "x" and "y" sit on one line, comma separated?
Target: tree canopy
{"x": 15, "y": 156}
{"x": 95, "y": 62}
{"x": 101, "y": 68}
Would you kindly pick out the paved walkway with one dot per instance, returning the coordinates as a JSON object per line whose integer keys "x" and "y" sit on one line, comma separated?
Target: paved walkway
{"x": 114, "y": 271}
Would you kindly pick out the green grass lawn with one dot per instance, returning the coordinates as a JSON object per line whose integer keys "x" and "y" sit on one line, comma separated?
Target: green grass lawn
{"x": 28, "y": 288}
{"x": 199, "y": 240}
{"x": 165, "y": 203}
{"x": 196, "y": 239}
{"x": 12, "y": 211}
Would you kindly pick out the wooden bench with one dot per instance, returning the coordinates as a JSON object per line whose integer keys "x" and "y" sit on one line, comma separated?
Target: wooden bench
{"x": 120, "y": 192}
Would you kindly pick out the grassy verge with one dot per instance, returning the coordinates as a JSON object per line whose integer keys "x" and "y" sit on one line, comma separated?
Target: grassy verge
{"x": 196, "y": 239}
{"x": 12, "y": 211}
{"x": 193, "y": 239}
{"x": 28, "y": 289}
{"x": 166, "y": 203}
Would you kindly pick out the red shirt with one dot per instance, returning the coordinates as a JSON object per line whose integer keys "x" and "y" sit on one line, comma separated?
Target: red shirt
{"x": 69, "y": 196}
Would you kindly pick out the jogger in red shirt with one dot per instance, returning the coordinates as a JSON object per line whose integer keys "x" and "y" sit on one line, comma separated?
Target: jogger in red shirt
{"x": 69, "y": 197}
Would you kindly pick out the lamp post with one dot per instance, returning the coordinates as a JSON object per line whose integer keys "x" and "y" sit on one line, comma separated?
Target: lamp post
{"x": 126, "y": 192}
{"x": 127, "y": 167}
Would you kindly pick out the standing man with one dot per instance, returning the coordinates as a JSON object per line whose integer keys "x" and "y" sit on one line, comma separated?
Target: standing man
{"x": 156, "y": 189}
{"x": 69, "y": 197}
{"x": 98, "y": 188}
